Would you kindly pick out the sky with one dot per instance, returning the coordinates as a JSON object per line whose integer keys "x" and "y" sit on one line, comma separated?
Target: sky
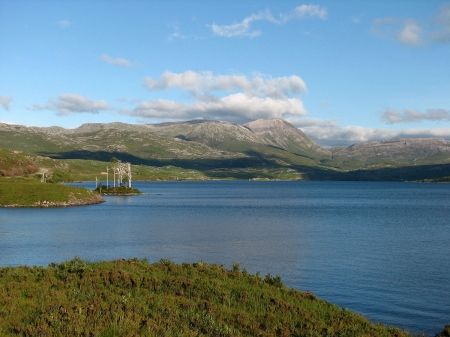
{"x": 342, "y": 71}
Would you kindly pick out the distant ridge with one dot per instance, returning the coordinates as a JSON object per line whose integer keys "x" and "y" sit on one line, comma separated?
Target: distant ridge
{"x": 266, "y": 148}
{"x": 400, "y": 150}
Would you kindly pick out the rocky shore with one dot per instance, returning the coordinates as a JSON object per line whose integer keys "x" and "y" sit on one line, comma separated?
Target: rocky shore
{"x": 93, "y": 199}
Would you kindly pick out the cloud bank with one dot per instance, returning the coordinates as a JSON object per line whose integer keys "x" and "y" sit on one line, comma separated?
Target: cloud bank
{"x": 4, "y": 102}
{"x": 244, "y": 28}
{"x": 330, "y": 133}
{"x": 227, "y": 97}
{"x": 67, "y": 104}
{"x": 408, "y": 115}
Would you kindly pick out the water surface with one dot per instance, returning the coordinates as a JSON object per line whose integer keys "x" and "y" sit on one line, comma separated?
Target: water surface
{"x": 380, "y": 249}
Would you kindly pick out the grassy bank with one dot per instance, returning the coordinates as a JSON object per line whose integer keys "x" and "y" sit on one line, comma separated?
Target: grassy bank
{"x": 135, "y": 298}
{"x": 28, "y": 192}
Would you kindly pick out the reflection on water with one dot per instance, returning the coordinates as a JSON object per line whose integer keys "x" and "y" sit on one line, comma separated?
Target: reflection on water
{"x": 377, "y": 248}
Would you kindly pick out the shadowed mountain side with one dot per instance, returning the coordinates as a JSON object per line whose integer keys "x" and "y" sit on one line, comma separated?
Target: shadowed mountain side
{"x": 404, "y": 173}
{"x": 237, "y": 168}
{"x": 183, "y": 163}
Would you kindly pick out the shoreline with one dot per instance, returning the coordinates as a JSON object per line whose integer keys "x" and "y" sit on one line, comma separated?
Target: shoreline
{"x": 95, "y": 199}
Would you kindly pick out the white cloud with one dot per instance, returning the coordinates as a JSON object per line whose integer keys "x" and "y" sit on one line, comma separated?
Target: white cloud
{"x": 235, "y": 108}
{"x": 330, "y": 133}
{"x": 73, "y": 103}
{"x": 118, "y": 61}
{"x": 228, "y": 97}
{"x": 244, "y": 28}
{"x": 391, "y": 116}
{"x": 410, "y": 34}
{"x": 310, "y": 11}
{"x": 4, "y": 102}
{"x": 63, "y": 23}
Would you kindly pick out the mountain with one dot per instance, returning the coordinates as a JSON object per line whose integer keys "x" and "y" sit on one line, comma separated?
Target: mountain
{"x": 286, "y": 136}
{"x": 265, "y": 149}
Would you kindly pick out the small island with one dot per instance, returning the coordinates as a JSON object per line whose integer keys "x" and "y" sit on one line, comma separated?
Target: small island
{"x": 118, "y": 190}
{"x": 123, "y": 172}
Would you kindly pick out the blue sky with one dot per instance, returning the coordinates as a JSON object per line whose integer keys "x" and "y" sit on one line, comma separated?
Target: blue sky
{"x": 342, "y": 71}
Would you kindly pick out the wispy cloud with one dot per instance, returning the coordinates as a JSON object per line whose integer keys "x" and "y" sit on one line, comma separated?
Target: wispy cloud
{"x": 121, "y": 62}
{"x": 407, "y": 32}
{"x": 411, "y": 32}
{"x": 63, "y": 23}
{"x": 244, "y": 28}
{"x": 67, "y": 104}
{"x": 442, "y": 23}
{"x": 391, "y": 116}
{"x": 227, "y": 97}
{"x": 4, "y": 101}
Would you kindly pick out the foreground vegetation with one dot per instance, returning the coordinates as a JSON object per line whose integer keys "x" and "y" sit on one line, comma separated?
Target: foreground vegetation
{"x": 135, "y": 298}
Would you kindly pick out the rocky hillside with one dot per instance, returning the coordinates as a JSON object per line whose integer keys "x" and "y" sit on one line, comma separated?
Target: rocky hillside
{"x": 284, "y": 135}
{"x": 14, "y": 164}
{"x": 211, "y": 133}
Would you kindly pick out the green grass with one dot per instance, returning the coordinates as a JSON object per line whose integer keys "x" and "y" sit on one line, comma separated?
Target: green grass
{"x": 29, "y": 192}
{"x": 135, "y": 298}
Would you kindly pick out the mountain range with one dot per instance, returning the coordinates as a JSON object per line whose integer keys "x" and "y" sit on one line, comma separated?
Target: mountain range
{"x": 261, "y": 149}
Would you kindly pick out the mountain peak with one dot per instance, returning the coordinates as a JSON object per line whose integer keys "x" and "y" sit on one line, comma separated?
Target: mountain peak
{"x": 287, "y": 136}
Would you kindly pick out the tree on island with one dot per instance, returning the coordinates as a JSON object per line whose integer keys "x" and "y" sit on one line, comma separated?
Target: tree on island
{"x": 123, "y": 171}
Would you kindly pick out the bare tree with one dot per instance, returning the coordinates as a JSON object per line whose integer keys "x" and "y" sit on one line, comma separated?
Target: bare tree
{"x": 122, "y": 170}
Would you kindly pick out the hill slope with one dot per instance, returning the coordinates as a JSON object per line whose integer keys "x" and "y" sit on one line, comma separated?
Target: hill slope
{"x": 15, "y": 164}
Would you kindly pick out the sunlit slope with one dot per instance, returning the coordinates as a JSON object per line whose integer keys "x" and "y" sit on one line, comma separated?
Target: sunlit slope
{"x": 285, "y": 136}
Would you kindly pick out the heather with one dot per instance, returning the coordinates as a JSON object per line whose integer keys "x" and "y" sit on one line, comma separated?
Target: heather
{"x": 135, "y": 298}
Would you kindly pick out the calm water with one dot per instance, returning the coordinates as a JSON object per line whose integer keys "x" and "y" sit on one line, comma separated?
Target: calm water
{"x": 380, "y": 249}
